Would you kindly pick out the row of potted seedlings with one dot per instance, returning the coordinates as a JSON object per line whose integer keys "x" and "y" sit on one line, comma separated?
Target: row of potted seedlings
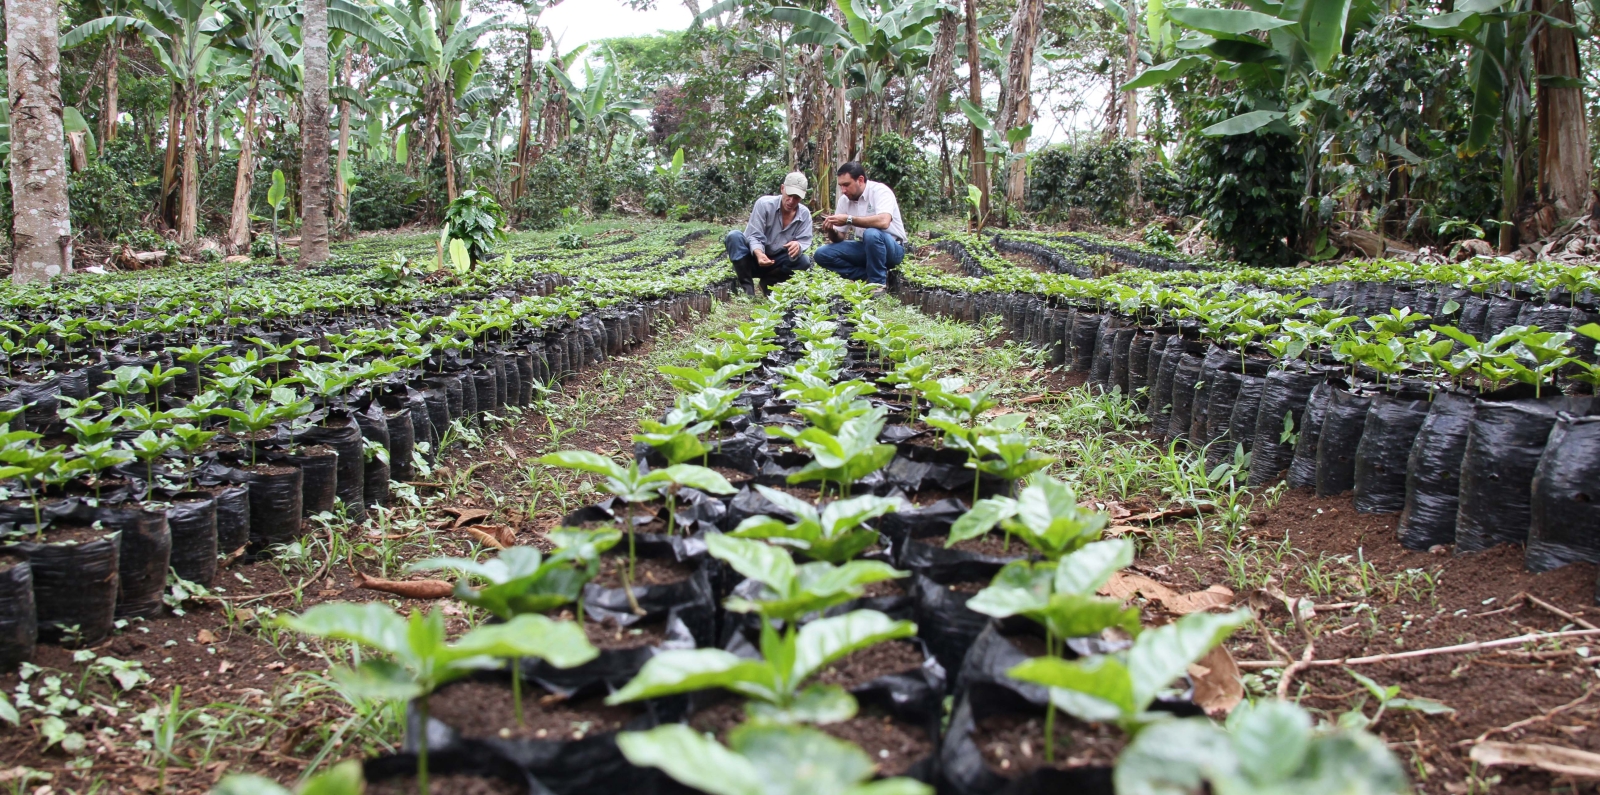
{"x": 811, "y": 552}
{"x": 1475, "y": 423}
{"x": 117, "y": 478}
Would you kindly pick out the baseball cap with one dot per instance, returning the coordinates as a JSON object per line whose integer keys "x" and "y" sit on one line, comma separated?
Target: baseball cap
{"x": 795, "y": 184}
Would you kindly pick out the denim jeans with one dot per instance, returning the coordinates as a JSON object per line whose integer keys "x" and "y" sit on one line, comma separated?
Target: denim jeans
{"x": 747, "y": 269}
{"x": 866, "y": 260}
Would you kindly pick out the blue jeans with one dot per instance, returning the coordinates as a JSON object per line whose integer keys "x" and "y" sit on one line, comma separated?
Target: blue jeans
{"x": 747, "y": 269}
{"x": 866, "y": 260}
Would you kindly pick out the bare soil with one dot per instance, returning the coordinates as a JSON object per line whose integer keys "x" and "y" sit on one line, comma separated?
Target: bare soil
{"x": 487, "y": 709}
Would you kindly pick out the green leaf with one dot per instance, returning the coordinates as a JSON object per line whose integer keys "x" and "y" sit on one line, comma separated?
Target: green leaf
{"x": 278, "y": 191}
{"x": 1162, "y": 73}
{"x": 248, "y": 785}
{"x": 378, "y": 680}
{"x": 1323, "y": 23}
{"x": 1176, "y": 757}
{"x": 1084, "y": 571}
{"x": 1226, "y": 21}
{"x": 1103, "y": 678}
{"x": 1163, "y": 654}
{"x": 756, "y": 560}
{"x": 1020, "y": 587}
{"x": 687, "y": 670}
{"x": 371, "y": 624}
{"x": 560, "y": 643}
{"x": 693, "y": 759}
{"x": 817, "y": 705}
{"x": 1244, "y": 123}
{"x": 828, "y": 639}
{"x": 1271, "y": 737}
{"x": 801, "y": 759}
{"x": 975, "y": 115}
{"x": 584, "y": 461}
{"x": 344, "y": 778}
{"x": 985, "y": 514}
{"x": 701, "y": 478}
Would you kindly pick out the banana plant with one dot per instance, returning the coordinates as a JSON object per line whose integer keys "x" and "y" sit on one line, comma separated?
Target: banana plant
{"x": 835, "y": 534}
{"x": 762, "y": 759}
{"x": 775, "y": 684}
{"x": 1046, "y": 516}
{"x": 420, "y": 660}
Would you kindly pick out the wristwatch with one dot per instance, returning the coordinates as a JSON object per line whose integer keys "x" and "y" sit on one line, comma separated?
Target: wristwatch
{"x": 849, "y": 220}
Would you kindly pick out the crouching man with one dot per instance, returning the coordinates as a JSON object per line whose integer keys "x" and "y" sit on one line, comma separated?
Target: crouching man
{"x": 773, "y": 244}
{"x": 871, "y": 208}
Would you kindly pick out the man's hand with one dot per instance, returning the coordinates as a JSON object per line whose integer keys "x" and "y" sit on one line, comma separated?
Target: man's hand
{"x": 793, "y": 247}
{"x": 762, "y": 259}
{"x": 835, "y": 220}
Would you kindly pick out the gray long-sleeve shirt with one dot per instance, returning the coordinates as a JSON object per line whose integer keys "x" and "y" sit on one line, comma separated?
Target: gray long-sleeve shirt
{"x": 766, "y": 232}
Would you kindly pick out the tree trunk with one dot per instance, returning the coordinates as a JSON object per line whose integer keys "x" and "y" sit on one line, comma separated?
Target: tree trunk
{"x": 944, "y": 54}
{"x": 341, "y": 218}
{"x": 108, "y": 122}
{"x": 1563, "y": 129}
{"x": 525, "y": 108}
{"x": 244, "y": 177}
{"x": 314, "y": 136}
{"x": 1018, "y": 107}
{"x": 189, "y": 198}
{"x": 447, "y": 119}
{"x": 41, "y": 219}
{"x": 980, "y": 172}
{"x": 169, "y": 164}
{"x": 1130, "y": 98}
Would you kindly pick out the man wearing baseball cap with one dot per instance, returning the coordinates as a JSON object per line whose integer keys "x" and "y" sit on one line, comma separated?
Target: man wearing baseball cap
{"x": 773, "y": 245}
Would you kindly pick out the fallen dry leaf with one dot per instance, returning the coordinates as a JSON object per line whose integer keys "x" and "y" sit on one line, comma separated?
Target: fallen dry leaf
{"x": 1173, "y": 513}
{"x": 1198, "y": 601}
{"x": 498, "y": 536}
{"x": 1125, "y": 585}
{"x": 411, "y": 589}
{"x": 223, "y": 668}
{"x": 244, "y": 614}
{"x": 1119, "y": 530}
{"x": 1217, "y": 685}
{"x": 146, "y": 783}
{"x": 466, "y": 515}
{"x": 1556, "y": 759}
{"x": 204, "y": 636}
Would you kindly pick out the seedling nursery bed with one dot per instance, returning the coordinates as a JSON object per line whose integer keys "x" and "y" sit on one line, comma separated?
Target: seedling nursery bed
{"x": 957, "y": 521}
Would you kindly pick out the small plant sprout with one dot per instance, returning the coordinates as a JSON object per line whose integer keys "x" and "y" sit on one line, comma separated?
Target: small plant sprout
{"x": 677, "y": 439}
{"x": 521, "y": 580}
{"x": 419, "y": 660}
{"x": 149, "y": 446}
{"x": 1046, "y": 516}
{"x": 774, "y": 684}
{"x": 835, "y": 534}
{"x": 632, "y": 486}
{"x": 846, "y": 457}
{"x": 1120, "y": 687}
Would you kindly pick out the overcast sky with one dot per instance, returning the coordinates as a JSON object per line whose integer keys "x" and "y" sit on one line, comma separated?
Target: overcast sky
{"x": 575, "y": 22}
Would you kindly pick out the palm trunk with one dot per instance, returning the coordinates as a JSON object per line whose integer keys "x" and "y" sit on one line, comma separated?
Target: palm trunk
{"x": 1563, "y": 128}
{"x": 1018, "y": 107}
{"x": 944, "y": 54}
{"x": 244, "y": 177}
{"x": 980, "y": 172}
{"x": 42, "y": 222}
{"x": 108, "y": 122}
{"x": 524, "y": 106}
{"x": 189, "y": 200}
{"x": 341, "y": 210}
{"x": 169, "y": 165}
{"x": 446, "y": 121}
{"x": 314, "y": 136}
{"x": 1130, "y": 98}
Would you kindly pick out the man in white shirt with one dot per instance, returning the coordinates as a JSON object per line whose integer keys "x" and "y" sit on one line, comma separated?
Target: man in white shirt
{"x": 871, "y": 208}
{"x": 774, "y": 242}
